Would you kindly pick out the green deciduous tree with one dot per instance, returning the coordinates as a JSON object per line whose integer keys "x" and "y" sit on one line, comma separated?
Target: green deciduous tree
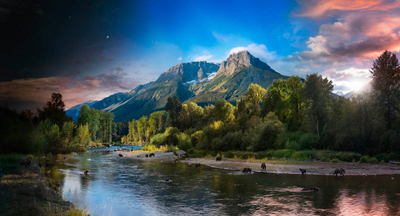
{"x": 224, "y": 111}
{"x": 253, "y": 97}
{"x": 268, "y": 132}
{"x": 83, "y": 134}
{"x": 68, "y": 131}
{"x": 106, "y": 125}
{"x": 53, "y": 139}
{"x": 142, "y": 125}
{"x": 190, "y": 116}
{"x": 317, "y": 95}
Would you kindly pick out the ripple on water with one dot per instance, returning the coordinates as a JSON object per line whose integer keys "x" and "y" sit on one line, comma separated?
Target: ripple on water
{"x": 133, "y": 187}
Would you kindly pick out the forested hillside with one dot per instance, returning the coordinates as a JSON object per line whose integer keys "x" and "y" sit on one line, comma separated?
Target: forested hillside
{"x": 289, "y": 114}
{"x": 200, "y": 82}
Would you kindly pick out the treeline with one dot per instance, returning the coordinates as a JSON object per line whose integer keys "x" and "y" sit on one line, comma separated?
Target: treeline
{"x": 289, "y": 114}
{"x": 52, "y": 131}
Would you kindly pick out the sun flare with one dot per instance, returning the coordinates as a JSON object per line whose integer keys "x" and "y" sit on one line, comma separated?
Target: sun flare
{"x": 356, "y": 85}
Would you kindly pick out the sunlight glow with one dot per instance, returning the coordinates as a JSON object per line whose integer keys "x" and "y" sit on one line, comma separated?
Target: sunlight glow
{"x": 356, "y": 85}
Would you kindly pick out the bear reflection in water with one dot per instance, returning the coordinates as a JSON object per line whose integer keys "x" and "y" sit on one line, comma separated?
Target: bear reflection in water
{"x": 313, "y": 189}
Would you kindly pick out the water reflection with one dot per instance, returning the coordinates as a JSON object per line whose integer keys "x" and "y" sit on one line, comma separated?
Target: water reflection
{"x": 121, "y": 186}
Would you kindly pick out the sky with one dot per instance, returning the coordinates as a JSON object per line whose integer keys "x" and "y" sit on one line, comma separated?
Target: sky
{"x": 90, "y": 49}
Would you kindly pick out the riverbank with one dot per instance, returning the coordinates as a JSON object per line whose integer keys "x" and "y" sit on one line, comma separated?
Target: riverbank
{"x": 313, "y": 168}
{"x": 26, "y": 191}
{"x": 140, "y": 155}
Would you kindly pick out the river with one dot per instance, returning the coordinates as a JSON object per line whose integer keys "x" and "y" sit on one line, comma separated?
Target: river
{"x": 123, "y": 186}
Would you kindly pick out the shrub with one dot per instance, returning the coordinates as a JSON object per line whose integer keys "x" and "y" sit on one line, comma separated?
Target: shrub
{"x": 81, "y": 149}
{"x": 287, "y": 137}
{"x": 284, "y": 153}
{"x": 191, "y": 151}
{"x": 335, "y": 160}
{"x": 304, "y": 155}
{"x": 348, "y": 156}
{"x": 149, "y": 147}
{"x": 324, "y": 159}
{"x": 229, "y": 155}
{"x": 308, "y": 140}
{"x": 388, "y": 157}
{"x": 292, "y": 145}
{"x": 158, "y": 140}
{"x": 11, "y": 159}
{"x": 197, "y": 138}
{"x": 171, "y": 148}
{"x": 171, "y": 134}
{"x": 184, "y": 141}
{"x": 373, "y": 160}
{"x": 364, "y": 159}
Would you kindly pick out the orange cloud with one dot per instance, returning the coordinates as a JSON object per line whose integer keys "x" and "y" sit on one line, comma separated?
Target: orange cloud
{"x": 362, "y": 31}
{"x": 74, "y": 90}
{"x": 317, "y": 8}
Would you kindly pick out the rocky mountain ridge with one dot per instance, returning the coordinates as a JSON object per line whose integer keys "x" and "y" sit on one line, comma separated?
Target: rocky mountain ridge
{"x": 201, "y": 82}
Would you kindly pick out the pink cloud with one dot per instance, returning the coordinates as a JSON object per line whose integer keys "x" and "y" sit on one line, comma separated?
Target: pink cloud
{"x": 363, "y": 30}
{"x": 317, "y": 8}
{"x": 74, "y": 90}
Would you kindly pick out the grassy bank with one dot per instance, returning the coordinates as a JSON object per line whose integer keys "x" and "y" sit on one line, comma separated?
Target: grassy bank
{"x": 287, "y": 155}
{"x": 26, "y": 191}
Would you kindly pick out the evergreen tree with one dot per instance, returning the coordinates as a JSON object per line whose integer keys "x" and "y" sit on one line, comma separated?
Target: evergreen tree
{"x": 174, "y": 107}
{"x": 54, "y": 110}
{"x": 386, "y": 85}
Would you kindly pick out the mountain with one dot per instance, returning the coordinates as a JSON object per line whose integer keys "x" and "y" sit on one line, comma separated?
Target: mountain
{"x": 153, "y": 96}
{"x": 339, "y": 93}
{"x": 233, "y": 78}
{"x": 113, "y": 101}
{"x": 74, "y": 111}
{"x": 200, "y": 82}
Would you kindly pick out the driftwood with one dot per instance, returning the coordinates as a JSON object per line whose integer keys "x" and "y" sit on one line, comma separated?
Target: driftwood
{"x": 394, "y": 162}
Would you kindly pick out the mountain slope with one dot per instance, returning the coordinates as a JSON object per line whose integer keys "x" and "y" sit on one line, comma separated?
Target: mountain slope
{"x": 234, "y": 77}
{"x": 74, "y": 111}
{"x": 200, "y": 82}
{"x": 113, "y": 101}
{"x": 148, "y": 98}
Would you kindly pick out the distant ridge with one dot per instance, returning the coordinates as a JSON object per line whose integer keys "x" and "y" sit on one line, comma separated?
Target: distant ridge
{"x": 74, "y": 111}
{"x": 201, "y": 82}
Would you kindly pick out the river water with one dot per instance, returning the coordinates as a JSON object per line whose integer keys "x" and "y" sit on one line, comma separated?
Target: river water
{"x": 123, "y": 186}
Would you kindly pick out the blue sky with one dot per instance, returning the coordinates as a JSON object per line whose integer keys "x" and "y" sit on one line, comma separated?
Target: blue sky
{"x": 89, "y": 50}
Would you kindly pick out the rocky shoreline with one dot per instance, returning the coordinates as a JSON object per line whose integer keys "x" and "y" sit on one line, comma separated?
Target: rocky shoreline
{"x": 137, "y": 155}
{"x": 313, "y": 168}
{"x": 28, "y": 192}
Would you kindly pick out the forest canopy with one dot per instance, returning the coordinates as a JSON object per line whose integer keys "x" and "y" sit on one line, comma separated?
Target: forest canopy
{"x": 289, "y": 114}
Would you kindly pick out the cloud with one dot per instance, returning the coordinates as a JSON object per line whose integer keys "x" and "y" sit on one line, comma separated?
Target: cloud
{"x": 74, "y": 90}
{"x": 317, "y": 8}
{"x": 361, "y": 31}
{"x": 257, "y": 50}
{"x": 203, "y": 57}
{"x": 222, "y": 38}
{"x": 348, "y": 79}
{"x": 180, "y": 58}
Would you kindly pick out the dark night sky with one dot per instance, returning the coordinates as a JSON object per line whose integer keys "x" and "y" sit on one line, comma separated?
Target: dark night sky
{"x": 89, "y": 49}
{"x": 41, "y": 35}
